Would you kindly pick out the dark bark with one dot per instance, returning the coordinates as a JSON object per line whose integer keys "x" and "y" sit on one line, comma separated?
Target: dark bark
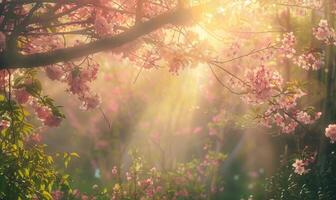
{"x": 329, "y": 108}
{"x": 11, "y": 59}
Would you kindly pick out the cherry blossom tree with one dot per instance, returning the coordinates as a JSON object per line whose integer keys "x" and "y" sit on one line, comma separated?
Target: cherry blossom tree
{"x": 62, "y": 40}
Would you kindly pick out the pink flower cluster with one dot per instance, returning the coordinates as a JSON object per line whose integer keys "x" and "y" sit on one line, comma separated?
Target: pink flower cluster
{"x": 283, "y": 112}
{"x": 4, "y": 124}
{"x": 288, "y": 121}
{"x": 330, "y": 132}
{"x": 176, "y": 63}
{"x": 101, "y": 25}
{"x": 287, "y": 45}
{"x": 46, "y": 116}
{"x": 325, "y": 33}
{"x": 283, "y": 121}
{"x": 77, "y": 79}
{"x": 114, "y": 170}
{"x": 90, "y": 101}
{"x": 105, "y": 22}
{"x": 299, "y": 167}
{"x": 217, "y": 123}
{"x": 306, "y": 118}
{"x": 151, "y": 183}
{"x": 33, "y": 139}
{"x": 262, "y": 82}
{"x": 3, "y": 78}
{"x": 265, "y": 86}
{"x": 54, "y": 72}
{"x": 43, "y": 44}
{"x": 181, "y": 193}
{"x": 78, "y": 85}
{"x": 59, "y": 195}
{"x": 128, "y": 176}
{"x": 309, "y": 61}
{"x": 147, "y": 185}
{"x": 21, "y": 96}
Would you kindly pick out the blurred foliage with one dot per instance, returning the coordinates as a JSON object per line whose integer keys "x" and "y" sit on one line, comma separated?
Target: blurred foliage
{"x": 319, "y": 183}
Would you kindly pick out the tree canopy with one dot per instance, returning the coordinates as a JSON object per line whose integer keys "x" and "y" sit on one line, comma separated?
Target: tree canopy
{"x": 263, "y": 52}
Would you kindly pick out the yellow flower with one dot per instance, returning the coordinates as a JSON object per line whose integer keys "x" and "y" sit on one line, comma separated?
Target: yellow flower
{"x": 116, "y": 187}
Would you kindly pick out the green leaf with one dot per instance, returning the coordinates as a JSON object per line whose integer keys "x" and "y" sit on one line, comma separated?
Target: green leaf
{"x": 47, "y": 195}
{"x": 74, "y": 154}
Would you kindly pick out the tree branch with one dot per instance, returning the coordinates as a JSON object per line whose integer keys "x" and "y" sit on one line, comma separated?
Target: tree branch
{"x": 12, "y": 60}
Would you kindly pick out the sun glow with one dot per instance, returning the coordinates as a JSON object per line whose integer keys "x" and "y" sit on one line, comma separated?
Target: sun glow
{"x": 167, "y": 99}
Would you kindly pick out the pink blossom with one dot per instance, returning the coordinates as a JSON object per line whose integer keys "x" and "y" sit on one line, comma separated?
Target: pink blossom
{"x": 213, "y": 189}
{"x": 54, "y": 72}
{"x": 90, "y": 102}
{"x": 57, "y": 195}
{"x": 299, "y": 166}
{"x": 36, "y": 138}
{"x": 289, "y": 127}
{"x": 287, "y": 45}
{"x": 262, "y": 82}
{"x": 77, "y": 85}
{"x": 147, "y": 182}
{"x": 283, "y": 121}
{"x": 158, "y": 188}
{"x": 43, "y": 44}
{"x": 283, "y": 113}
{"x": 309, "y": 61}
{"x": 305, "y": 118}
{"x": 324, "y": 32}
{"x": 52, "y": 121}
{"x": 197, "y": 130}
{"x": 47, "y": 117}
{"x": 149, "y": 193}
{"x": 114, "y": 170}
{"x": 84, "y": 197}
{"x": 33, "y": 139}
{"x": 89, "y": 73}
{"x": 4, "y": 124}
{"x": 330, "y": 132}
{"x": 101, "y": 25}
{"x": 76, "y": 193}
{"x": 176, "y": 63}
{"x": 42, "y": 112}
{"x": 128, "y": 176}
{"x": 182, "y": 193}
{"x": 22, "y": 96}
{"x": 3, "y": 78}
{"x": 78, "y": 81}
